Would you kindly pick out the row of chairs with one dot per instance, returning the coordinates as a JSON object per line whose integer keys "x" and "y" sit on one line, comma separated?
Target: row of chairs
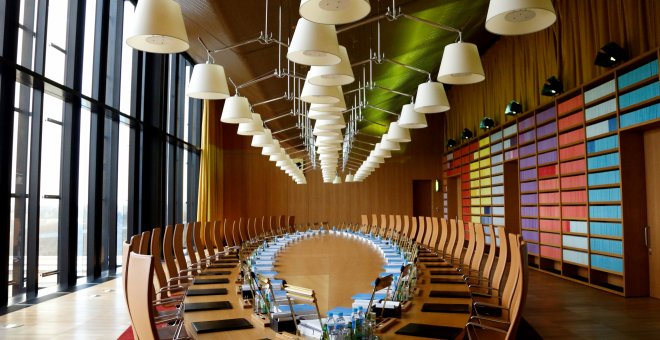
{"x": 443, "y": 242}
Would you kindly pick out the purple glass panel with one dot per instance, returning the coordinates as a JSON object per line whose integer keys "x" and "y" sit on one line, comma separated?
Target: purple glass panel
{"x": 548, "y": 157}
{"x": 526, "y": 124}
{"x": 545, "y": 115}
{"x": 547, "y": 144}
{"x": 530, "y": 223}
{"x": 527, "y": 150}
{"x": 528, "y": 186}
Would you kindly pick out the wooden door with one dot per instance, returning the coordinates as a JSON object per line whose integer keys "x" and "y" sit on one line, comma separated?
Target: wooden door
{"x": 422, "y": 198}
{"x": 652, "y": 164}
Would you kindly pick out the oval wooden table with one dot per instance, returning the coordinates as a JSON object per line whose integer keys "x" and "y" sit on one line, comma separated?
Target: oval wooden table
{"x": 336, "y": 266}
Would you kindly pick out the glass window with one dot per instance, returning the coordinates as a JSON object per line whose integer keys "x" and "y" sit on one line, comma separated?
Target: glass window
{"x": 83, "y": 189}
{"x": 27, "y": 33}
{"x": 126, "y": 92}
{"x": 88, "y": 49}
{"x": 56, "y": 40}
{"x": 123, "y": 155}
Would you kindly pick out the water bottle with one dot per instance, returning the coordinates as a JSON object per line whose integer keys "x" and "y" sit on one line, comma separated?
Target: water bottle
{"x": 340, "y": 327}
{"x": 330, "y": 326}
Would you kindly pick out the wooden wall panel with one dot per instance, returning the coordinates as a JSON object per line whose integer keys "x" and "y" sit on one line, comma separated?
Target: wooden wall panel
{"x": 254, "y": 186}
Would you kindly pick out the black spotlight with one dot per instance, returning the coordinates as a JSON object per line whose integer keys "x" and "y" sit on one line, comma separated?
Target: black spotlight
{"x": 513, "y": 108}
{"x": 466, "y": 134}
{"x": 487, "y": 123}
{"x": 451, "y": 143}
{"x": 552, "y": 87}
{"x": 610, "y": 55}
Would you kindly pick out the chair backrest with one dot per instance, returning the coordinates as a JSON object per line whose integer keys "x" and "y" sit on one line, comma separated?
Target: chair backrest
{"x": 406, "y": 226}
{"x": 282, "y": 227}
{"x": 271, "y": 225}
{"x": 364, "y": 221}
{"x": 126, "y": 249}
{"x": 190, "y": 242}
{"x": 209, "y": 238}
{"x": 228, "y": 237}
{"x": 501, "y": 259}
{"x": 453, "y": 235}
{"x": 144, "y": 243}
{"x": 178, "y": 247}
{"x": 235, "y": 231}
{"x": 374, "y": 220}
{"x": 421, "y": 230}
{"x": 444, "y": 233}
{"x": 219, "y": 235}
{"x": 198, "y": 237}
{"x": 460, "y": 241}
{"x": 490, "y": 259}
{"x": 168, "y": 252}
{"x": 428, "y": 232}
{"x": 469, "y": 253}
{"x": 383, "y": 225}
{"x": 520, "y": 292}
{"x": 413, "y": 228}
{"x": 140, "y": 275}
{"x": 514, "y": 271}
{"x": 392, "y": 225}
{"x": 250, "y": 226}
{"x": 435, "y": 230}
{"x": 242, "y": 232}
{"x": 291, "y": 223}
{"x": 160, "y": 279}
{"x": 480, "y": 246}
{"x": 399, "y": 225}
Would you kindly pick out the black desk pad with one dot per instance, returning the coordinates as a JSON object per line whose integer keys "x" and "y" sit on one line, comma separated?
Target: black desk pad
{"x": 430, "y": 331}
{"x": 211, "y": 280}
{"x": 445, "y": 308}
{"x": 446, "y": 280}
{"x": 214, "y": 305}
{"x": 444, "y": 272}
{"x": 221, "y": 325}
{"x": 207, "y": 291}
{"x": 449, "y": 294}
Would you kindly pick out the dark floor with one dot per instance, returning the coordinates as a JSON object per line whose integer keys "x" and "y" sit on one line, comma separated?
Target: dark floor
{"x": 561, "y": 309}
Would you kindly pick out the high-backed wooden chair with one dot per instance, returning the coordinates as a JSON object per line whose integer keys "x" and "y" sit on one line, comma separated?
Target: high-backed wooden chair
{"x": 457, "y": 257}
{"x": 383, "y": 225}
{"x": 190, "y": 243}
{"x": 291, "y": 223}
{"x": 392, "y": 227}
{"x": 474, "y": 269}
{"x": 398, "y": 228}
{"x": 444, "y": 237}
{"x": 177, "y": 247}
{"x": 140, "y": 275}
{"x": 421, "y": 230}
{"x": 218, "y": 235}
{"x": 469, "y": 252}
{"x": 235, "y": 231}
{"x": 228, "y": 237}
{"x": 435, "y": 231}
{"x": 144, "y": 242}
{"x": 490, "y": 259}
{"x": 413, "y": 229}
{"x": 168, "y": 253}
{"x": 492, "y": 288}
{"x": 374, "y": 224}
{"x": 406, "y": 227}
{"x": 428, "y": 232}
{"x": 364, "y": 221}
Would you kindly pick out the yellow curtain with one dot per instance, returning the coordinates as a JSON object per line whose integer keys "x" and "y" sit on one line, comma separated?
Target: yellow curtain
{"x": 516, "y": 67}
{"x": 209, "y": 199}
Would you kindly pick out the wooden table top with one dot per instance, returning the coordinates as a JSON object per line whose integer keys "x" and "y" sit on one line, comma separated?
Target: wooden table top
{"x": 337, "y": 267}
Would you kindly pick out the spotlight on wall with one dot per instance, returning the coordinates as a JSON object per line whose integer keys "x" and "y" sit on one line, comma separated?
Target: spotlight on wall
{"x": 513, "y": 108}
{"x": 451, "y": 143}
{"x": 552, "y": 87}
{"x": 466, "y": 134}
{"x": 487, "y": 123}
{"x": 610, "y": 55}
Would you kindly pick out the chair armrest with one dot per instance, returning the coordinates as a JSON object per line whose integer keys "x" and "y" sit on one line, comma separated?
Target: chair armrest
{"x": 483, "y": 287}
{"x": 478, "y": 325}
{"x": 488, "y": 305}
{"x": 487, "y": 319}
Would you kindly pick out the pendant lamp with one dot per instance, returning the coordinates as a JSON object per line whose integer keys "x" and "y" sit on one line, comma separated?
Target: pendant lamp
{"x": 314, "y": 44}
{"x": 461, "y": 64}
{"x": 349, "y": 178}
{"x": 389, "y": 146}
{"x": 314, "y": 114}
{"x": 337, "y": 180}
{"x": 411, "y": 119}
{"x": 272, "y": 149}
{"x": 398, "y": 134}
{"x": 335, "y": 107}
{"x": 158, "y": 27}
{"x": 208, "y": 81}
{"x": 236, "y": 110}
{"x": 378, "y": 151}
{"x": 259, "y": 141}
{"x": 333, "y": 75}
{"x": 321, "y": 132}
{"x": 319, "y": 94}
{"x": 334, "y": 12}
{"x": 431, "y": 98}
{"x": 251, "y": 128}
{"x": 514, "y": 17}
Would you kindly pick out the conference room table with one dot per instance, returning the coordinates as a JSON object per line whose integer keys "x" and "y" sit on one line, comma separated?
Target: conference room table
{"x": 336, "y": 266}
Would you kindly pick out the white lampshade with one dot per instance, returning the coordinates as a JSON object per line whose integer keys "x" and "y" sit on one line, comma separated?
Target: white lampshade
{"x": 251, "y": 128}
{"x": 314, "y": 44}
{"x": 321, "y": 132}
{"x": 277, "y": 157}
{"x": 381, "y": 153}
{"x": 337, "y": 180}
{"x": 389, "y": 146}
{"x": 398, "y": 134}
{"x": 158, "y": 27}
{"x": 334, "y": 107}
{"x": 431, "y": 98}
{"x": 411, "y": 119}
{"x": 334, "y": 12}
{"x": 208, "y": 81}
{"x": 333, "y": 75}
{"x": 349, "y": 178}
{"x": 236, "y": 110}
{"x": 375, "y": 159}
{"x": 262, "y": 140}
{"x": 272, "y": 149}
{"x": 313, "y": 114}
{"x": 328, "y": 156}
{"x": 514, "y": 17}
{"x": 328, "y": 148}
{"x": 330, "y": 140}
{"x": 461, "y": 64}
{"x": 330, "y": 124}
{"x": 319, "y": 94}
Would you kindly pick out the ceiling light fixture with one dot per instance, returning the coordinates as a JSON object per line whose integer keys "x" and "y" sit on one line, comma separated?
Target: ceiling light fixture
{"x": 431, "y": 98}
{"x": 158, "y": 27}
{"x": 334, "y": 12}
{"x": 349, "y": 178}
{"x": 236, "y": 110}
{"x": 398, "y": 134}
{"x": 411, "y": 119}
{"x": 208, "y": 81}
{"x": 259, "y": 141}
{"x": 333, "y": 75}
{"x": 251, "y": 128}
{"x": 461, "y": 64}
{"x": 515, "y": 17}
{"x": 320, "y": 94}
{"x": 314, "y": 44}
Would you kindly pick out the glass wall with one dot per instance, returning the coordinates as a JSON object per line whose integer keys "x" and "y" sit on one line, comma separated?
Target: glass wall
{"x": 77, "y": 176}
